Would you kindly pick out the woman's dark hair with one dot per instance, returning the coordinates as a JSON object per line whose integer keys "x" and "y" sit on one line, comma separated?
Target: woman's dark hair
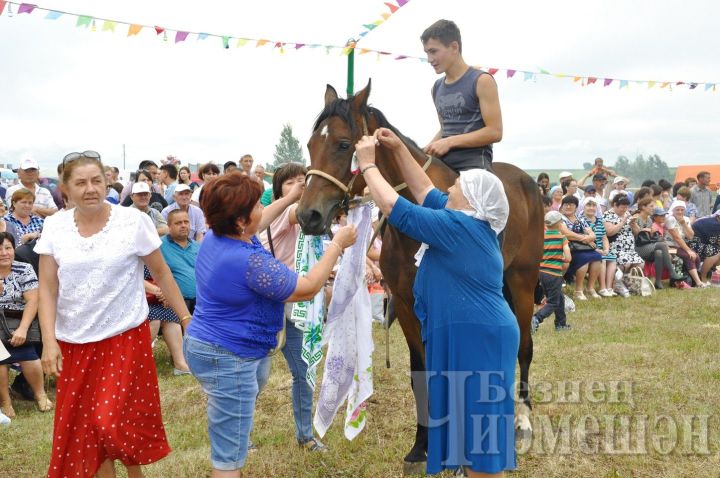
{"x": 676, "y": 188}
{"x": 565, "y": 183}
{"x": 569, "y": 200}
{"x": 189, "y": 179}
{"x": 208, "y": 168}
{"x": 621, "y": 199}
{"x": 645, "y": 201}
{"x": 665, "y": 184}
{"x": 684, "y": 191}
{"x": 227, "y": 199}
{"x": 546, "y": 201}
{"x": 647, "y": 183}
{"x": 283, "y": 173}
{"x": 641, "y": 193}
{"x": 143, "y": 172}
{"x": 656, "y": 190}
{"x": 6, "y": 236}
{"x": 542, "y": 176}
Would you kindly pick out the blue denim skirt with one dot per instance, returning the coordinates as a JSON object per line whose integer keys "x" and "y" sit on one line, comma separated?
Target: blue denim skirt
{"x": 231, "y": 385}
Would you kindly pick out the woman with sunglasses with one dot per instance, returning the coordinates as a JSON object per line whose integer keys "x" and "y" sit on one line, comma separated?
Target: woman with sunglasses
{"x": 96, "y": 338}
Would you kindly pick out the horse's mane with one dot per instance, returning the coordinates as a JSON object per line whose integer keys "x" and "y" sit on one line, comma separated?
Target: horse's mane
{"x": 342, "y": 108}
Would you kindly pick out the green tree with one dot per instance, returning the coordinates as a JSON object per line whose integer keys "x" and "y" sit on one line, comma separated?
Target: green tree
{"x": 642, "y": 168}
{"x": 287, "y": 149}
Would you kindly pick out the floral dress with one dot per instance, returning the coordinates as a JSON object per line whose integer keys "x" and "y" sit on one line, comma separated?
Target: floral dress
{"x": 623, "y": 244}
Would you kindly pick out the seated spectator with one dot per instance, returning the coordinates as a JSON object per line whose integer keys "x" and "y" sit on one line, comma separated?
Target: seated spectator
{"x": 543, "y": 182}
{"x": 206, "y": 173}
{"x": 602, "y": 245}
{"x": 547, "y": 203}
{"x": 707, "y": 243}
{"x": 657, "y": 195}
{"x": 641, "y": 193}
{"x": 185, "y": 177}
{"x": 19, "y": 300}
{"x": 27, "y": 226}
{"x": 622, "y": 242}
{"x": 678, "y": 232}
{"x": 649, "y": 247}
{"x": 592, "y": 192}
{"x": 229, "y": 167}
{"x": 556, "y": 255}
{"x": 181, "y": 202}
{"x": 666, "y": 196}
{"x": 141, "y": 201}
{"x": 676, "y": 188}
{"x": 691, "y": 212}
{"x": 582, "y": 247}
{"x": 658, "y": 218}
{"x": 156, "y": 201}
{"x": 556, "y": 196}
{"x": 570, "y": 188}
{"x": 620, "y": 185}
{"x": 180, "y": 252}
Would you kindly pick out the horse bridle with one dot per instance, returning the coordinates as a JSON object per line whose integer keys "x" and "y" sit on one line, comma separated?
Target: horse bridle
{"x": 348, "y": 202}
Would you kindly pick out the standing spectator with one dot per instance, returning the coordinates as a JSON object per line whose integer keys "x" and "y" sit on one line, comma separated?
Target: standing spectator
{"x": 620, "y": 185}
{"x": 185, "y": 177}
{"x": 157, "y": 202}
{"x": 112, "y": 195}
{"x": 246, "y": 163}
{"x": 229, "y": 167}
{"x": 599, "y": 180}
{"x": 666, "y": 196}
{"x": 543, "y": 180}
{"x": 29, "y": 174}
{"x": 141, "y": 200}
{"x": 259, "y": 172}
{"x": 19, "y": 300}
{"x": 207, "y": 173}
{"x": 701, "y": 196}
{"x": 690, "y": 182}
{"x": 152, "y": 171}
{"x": 168, "y": 180}
{"x": 707, "y": 243}
{"x": 182, "y": 203}
{"x": 691, "y": 212}
{"x": 585, "y": 259}
{"x": 239, "y": 311}
{"x": 570, "y": 188}
{"x": 556, "y": 256}
{"x": 95, "y": 334}
{"x": 26, "y": 225}
{"x": 678, "y": 232}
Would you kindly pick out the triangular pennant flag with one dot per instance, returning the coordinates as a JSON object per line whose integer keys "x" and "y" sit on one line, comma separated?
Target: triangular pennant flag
{"x": 299, "y": 45}
{"x": 544, "y": 72}
{"x": 393, "y": 8}
{"x": 400, "y": 57}
{"x": 134, "y": 29}
{"x": 402, "y": 2}
{"x": 364, "y": 33}
{"x": 680, "y": 83}
{"x": 364, "y": 50}
{"x": 385, "y": 16}
{"x": 369, "y": 26}
{"x": 607, "y": 82}
{"x": 559, "y": 75}
{"x": 591, "y": 80}
{"x": 2, "y": 6}
{"x": 109, "y": 26}
{"x": 709, "y": 85}
{"x": 510, "y": 73}
{"x": 241, "y": 42}
{"x": 527, "y": 75}
{"x": 346, "y": 51}
{"x": 492, "y": 71}
{"x": 664, "y": 84}
{"x": 159, "y": 30}
{"x": 202, "y": 36}
{"x": 181, "y": 36}
{"x": 278, "y": 45}
{"x": 26, "y": 8}
{"x": 693, "y": 86}
{"x": 577, "y": 78}
{"x": 623, "y": 84}
{"x": 53, "y": 15}
{"x": 377, "y": 22}
{"x": 226, "y": 42}
{"x": 83, "y": 21}
{"x": 650, "y": 84}
{"x": 260, "y": 43}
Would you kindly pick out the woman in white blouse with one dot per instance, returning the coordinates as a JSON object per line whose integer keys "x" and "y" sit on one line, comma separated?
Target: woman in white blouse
{"x": 95, "y": 334}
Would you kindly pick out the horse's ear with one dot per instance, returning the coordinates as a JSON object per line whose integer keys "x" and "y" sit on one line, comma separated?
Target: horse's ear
{"x": 361, "y": 97}
{"x": 330, "y": 95}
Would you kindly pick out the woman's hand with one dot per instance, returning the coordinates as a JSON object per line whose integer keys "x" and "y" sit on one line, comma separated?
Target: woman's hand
{"x": 693, "y": 255}
{"x": 18, "y": 337}
{"x": 51, "y": 358}
{"x": 389, "y": 139}
{"x": 345, "y": 236}
{"x": 365, "y": 150}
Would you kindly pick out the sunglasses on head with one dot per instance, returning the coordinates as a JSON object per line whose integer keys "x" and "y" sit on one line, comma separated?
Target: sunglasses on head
{"x": 69, "y": 158}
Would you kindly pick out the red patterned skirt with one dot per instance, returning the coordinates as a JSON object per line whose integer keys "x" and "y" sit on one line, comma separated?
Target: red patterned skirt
{"x": 108, "y": 406}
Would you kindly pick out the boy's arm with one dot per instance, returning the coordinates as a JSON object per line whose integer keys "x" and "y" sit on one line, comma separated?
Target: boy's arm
{"x": 487, "y": 93}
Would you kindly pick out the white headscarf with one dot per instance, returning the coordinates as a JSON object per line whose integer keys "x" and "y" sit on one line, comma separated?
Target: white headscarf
{"x": 675, "y": 203}
{"x": 486, "y": 194}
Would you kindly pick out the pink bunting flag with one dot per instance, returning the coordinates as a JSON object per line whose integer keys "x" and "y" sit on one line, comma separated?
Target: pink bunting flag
{"x": 510, "y": 73}
{"x": 26, "y": 8}
{"x": 401, "y": 3}
{"x": 393, "y": 8}
{"x": 400, "y": 57}
{"x": 492, "y": 71}
{"x": 607, "y": 81}
{"x": 591, "y": 80}
{"x": 299, "y": 45}
{"x": 159, "y": 30}
{"x": 181, "y": 36}
{"x": 2, "y": 6}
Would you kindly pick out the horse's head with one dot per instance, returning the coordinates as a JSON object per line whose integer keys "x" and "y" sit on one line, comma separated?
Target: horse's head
{"x": 330, "y": 182}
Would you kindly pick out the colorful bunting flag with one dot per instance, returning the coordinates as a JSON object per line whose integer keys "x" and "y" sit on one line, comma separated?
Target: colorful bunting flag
{"x": 26, "y": 8}
{"x": 83, "y": 21}
{"x": 709, "y": 85}
{"x": 53, "y": 15}
{"x": 181, "y": 36}
{"x": 159, "y": 30}
{"x": 260, "y": 43}
{"x": 511, "y": 73}
{"x": 393, "y": 8}
{"x": 109, "y": 26}
{"x": 299, "y": 45}
{"x": 591, "y": 80}
{"x": 134, "y": 29}
{"x": 2, "y": 6}
{"x": 607, "y": 82}
{"x": 202, "y": 36}
{"x": 623, "y": 84}
{"x": 241, "y": 42}
{"x": 650, "y": 84}
{"x": 527, "y": 75}
{"x": 226, "y": 42}
{"x": 401, "y": 3}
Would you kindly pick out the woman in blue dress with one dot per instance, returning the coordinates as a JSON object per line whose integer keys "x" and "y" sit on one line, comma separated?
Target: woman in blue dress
{"x": 470, "y": 334}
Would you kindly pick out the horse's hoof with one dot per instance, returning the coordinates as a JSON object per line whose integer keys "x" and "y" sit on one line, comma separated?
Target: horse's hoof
{"x": 414, "y": 467}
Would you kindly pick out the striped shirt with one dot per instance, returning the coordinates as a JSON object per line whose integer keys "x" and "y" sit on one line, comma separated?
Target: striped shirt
{"x": 552, "y": 260}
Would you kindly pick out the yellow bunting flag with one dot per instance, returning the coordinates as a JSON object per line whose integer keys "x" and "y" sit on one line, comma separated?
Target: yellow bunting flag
{"x": 134, "y": 30}
{"x": 109, "y": 26}
{"x": 241, "y": 42}
{"x": 364, "y": 50}
{"x": 385, "y": 15}
{"x": 346, "y": 51}
{"x": 650, "y": 84}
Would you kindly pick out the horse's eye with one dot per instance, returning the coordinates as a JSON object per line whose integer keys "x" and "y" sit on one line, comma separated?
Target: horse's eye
{"x": 344, "y": 145}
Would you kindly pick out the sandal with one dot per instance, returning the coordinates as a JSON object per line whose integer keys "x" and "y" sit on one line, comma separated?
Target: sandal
{"x": 43, "y": 402}
{"x": 7, "y": 409}
{"x": 313, "y": 444}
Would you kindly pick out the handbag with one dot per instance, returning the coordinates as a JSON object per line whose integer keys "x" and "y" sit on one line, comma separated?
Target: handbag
{"x": 9, "y": 323}
{"x": 644, "y": 238}
{"x": 151, "y": 298}
{"x": 282, "y": 333}
{"x": 637, "y": 283}
{"x": 576, "y": 246}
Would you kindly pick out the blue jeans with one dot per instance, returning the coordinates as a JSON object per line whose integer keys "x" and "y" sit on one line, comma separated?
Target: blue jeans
{"x": 302, "y": 394}
{"x": 231, "y": 385}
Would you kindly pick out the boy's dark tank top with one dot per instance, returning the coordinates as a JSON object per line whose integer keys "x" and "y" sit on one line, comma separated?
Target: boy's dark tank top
{"x": 458, "y": 108}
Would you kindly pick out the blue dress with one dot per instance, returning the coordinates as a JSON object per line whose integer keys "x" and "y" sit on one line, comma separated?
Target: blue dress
{"x": 467, "y": 328}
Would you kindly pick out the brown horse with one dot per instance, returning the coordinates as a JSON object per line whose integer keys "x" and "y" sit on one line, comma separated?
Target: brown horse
{"x": 331, "y": 184}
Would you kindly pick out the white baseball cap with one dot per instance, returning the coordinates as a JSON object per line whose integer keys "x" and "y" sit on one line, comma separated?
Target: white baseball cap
{"x": 28, "y": 162}
{"x": 620, "y": 179}
{"x": 182, "y": 187}
{"x": 140, "y": 187}
{"x": 564, "y": 174}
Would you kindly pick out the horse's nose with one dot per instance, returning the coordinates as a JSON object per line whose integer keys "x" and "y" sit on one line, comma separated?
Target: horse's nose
{"x": 311, "y": 222}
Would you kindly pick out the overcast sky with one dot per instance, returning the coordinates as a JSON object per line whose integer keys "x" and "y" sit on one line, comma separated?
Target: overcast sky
{"x": 69, "y": 89}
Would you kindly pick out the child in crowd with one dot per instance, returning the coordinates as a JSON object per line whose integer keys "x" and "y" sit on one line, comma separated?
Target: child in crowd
{"x": 556, "y": 256}
{"x": 658, "y": 217}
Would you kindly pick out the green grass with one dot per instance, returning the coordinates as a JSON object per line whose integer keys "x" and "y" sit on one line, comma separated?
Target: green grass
{"x": 666, "y": 345}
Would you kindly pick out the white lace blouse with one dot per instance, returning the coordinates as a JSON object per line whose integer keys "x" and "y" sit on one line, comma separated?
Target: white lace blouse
{"x": 100, "y": 277}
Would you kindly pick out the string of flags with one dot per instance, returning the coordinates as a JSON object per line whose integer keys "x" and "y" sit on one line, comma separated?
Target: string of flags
{"x": 11, "y": 9}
